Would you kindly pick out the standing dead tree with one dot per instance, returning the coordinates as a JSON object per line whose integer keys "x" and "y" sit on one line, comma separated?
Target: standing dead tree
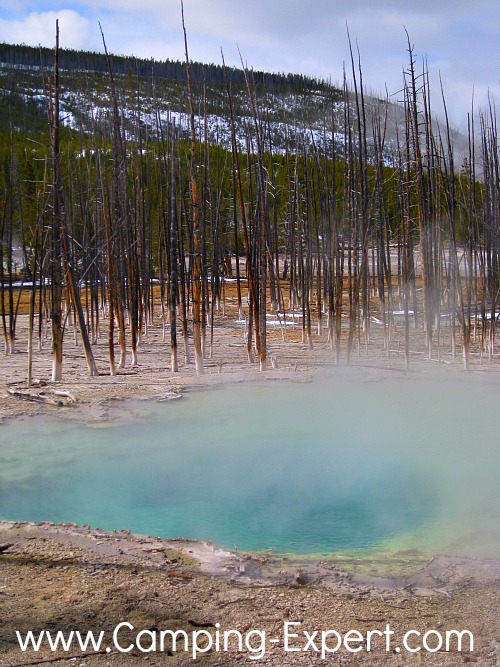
{"x": 197, "y": 269}
{"x": 260, "y": 237}
{"x": 8, "y": 306}
{"x": 62, "y": 260}
{"x": 117, "y": 226}
{"x": 253, "y": 311}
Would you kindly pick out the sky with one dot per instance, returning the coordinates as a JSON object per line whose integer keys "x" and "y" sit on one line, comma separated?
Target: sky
{"x": 459, "y": 39}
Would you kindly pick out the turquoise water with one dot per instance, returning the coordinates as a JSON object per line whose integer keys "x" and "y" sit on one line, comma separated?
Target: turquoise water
{"x": 323, "y": 467}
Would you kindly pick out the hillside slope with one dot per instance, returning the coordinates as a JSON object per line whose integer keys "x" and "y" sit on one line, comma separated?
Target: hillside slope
{"x": 298, "y": 112}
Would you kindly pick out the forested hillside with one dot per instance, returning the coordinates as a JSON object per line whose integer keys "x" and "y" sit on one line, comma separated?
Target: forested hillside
{"x": 209, "y": 74}
{"x": 150, "y": 87}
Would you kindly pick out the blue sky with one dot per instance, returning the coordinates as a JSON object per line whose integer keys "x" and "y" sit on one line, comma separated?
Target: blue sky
{"x": 459, "y": 38}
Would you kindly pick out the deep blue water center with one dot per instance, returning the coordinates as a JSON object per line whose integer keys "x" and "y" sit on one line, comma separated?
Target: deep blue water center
{"x": 322, "y": 467}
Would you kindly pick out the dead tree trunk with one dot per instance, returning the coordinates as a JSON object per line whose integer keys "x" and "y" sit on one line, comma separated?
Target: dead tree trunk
{"x": 197, "y": 268}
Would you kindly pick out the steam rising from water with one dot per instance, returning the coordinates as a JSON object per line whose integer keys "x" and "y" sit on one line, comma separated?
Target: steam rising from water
{"x": 330, "y": 466}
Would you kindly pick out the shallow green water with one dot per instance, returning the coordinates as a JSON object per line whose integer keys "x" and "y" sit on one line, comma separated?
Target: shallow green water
{"x": 328, "y": 466}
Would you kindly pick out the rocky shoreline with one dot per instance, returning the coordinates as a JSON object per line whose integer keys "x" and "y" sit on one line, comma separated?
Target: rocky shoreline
{"x": 65, "y": 577}
{"x": 441, "y": 574}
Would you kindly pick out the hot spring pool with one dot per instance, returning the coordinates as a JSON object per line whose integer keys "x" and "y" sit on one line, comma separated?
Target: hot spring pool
{"x": 331, "y": 466}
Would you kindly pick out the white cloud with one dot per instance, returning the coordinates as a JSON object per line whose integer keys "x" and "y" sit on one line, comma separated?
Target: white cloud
{"x": 40, "y": 28}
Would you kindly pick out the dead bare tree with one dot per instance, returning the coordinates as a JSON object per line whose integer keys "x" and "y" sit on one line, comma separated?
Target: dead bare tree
{"x": 62, "y": 261}
{"x": 197, "y": 269}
